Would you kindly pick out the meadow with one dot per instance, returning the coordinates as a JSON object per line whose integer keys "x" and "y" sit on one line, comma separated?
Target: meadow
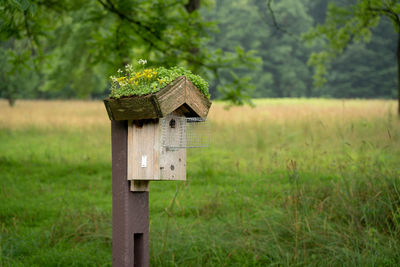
{"x": 291, "y": 182}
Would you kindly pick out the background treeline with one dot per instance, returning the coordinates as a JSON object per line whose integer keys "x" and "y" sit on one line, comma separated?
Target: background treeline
{"x": 217, "y": 34}
{"x": 364, "y": 70}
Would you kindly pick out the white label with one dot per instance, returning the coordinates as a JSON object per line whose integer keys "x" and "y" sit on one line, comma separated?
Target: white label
{"x": 144, "y": 161}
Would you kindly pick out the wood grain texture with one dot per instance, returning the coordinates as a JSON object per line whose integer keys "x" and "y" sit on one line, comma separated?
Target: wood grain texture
{"x": 156, "y": 106}
{"x": 131, "y": 108}
{"x": 173, "y": 160}
{"x": 109, "y": 111}
{"x": 140, "y": 186}
{"x": 131, "y": 148}
{"x": 195, "y": 99}
{"x": 144, "y": 148}
{"x": 173, "y": 97}
{"x": 173, "y": 165}
{"x": 162, "y": 163}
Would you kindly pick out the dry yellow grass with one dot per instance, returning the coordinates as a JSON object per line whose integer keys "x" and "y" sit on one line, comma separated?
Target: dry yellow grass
{"x": 92, "y": 113}
{"x": 53, "y": 114}
{"x": 281, "y": 110}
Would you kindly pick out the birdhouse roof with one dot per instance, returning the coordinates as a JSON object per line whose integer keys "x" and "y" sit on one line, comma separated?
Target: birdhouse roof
{"x": 179, "y": 96}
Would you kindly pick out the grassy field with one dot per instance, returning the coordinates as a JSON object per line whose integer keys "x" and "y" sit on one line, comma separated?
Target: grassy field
{"x": 288, "y": 183}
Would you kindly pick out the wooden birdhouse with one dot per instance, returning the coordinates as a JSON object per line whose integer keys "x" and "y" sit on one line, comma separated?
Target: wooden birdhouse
{"x": 157, "y": 130}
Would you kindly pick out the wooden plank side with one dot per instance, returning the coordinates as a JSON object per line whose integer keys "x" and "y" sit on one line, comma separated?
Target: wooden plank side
{"x": 144, "y": 150}
{"x": 109, "y": 112}
{"x": 130, "y": 155}
{"x": 140, "y": 186}
{"x": 172, "y": 97}
{"x": 173, "y": 165}
{"x": 157, "y": 150}
{"x": 173, "y": 160}
{"x": 131, "y": 108}
{"x": 142, "y": 155}
{"x": 195, "y": 99}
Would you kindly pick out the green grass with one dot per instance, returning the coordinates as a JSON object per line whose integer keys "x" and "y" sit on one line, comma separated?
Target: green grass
{"x": 313, "y": 191}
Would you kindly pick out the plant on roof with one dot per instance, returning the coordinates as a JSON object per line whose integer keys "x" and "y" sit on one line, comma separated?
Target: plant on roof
{"x": 138, "y": 80}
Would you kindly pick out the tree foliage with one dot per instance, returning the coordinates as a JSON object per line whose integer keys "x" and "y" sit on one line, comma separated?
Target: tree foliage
{"x": 247, "y": 23}
{"x": 274, "y": 29}
{"x": 365, "y": 69}
{"x": 346, "y": 24}
{"x": 77, "y": 44}
{"x": 244, "y": 48}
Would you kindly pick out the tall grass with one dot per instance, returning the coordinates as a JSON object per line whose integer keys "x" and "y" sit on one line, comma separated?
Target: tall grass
{"x": 291, "y": 182}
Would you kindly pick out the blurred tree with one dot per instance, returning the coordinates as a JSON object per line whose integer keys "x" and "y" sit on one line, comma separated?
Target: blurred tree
{"x": 365, "y": 69}
{"x": 286, "y": 54}
{"x": 77, "y": 44}
{"x": 273, "y": 37}
{"x": 245, "y": 48}
{"x": 347, "y": 23}
{"x": 14, "y": 71}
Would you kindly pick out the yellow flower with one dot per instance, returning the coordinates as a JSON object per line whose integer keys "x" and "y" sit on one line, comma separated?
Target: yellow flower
{"x": 148, "y": 72}
{"x": 120, "y": 79}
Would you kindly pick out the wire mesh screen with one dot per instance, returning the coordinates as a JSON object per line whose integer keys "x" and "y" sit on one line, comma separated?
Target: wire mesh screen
{"x": 182, "y": 132}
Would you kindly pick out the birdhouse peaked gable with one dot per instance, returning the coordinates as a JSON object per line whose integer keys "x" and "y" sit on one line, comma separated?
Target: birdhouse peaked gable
{"x": 180, "y": 95}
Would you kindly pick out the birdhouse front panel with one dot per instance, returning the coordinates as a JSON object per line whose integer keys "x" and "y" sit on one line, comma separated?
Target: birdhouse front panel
{"x": 143, "y": 150}
{"x": 155, "y": 149}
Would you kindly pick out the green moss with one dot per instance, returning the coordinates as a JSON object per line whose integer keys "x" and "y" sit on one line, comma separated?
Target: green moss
{"x": 139, "y": 81}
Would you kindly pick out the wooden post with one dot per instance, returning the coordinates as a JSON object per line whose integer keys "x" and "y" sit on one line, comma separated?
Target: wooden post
{"x": 130, "y": 210}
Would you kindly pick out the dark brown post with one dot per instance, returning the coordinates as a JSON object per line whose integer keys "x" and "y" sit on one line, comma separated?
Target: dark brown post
{"x": 130, "y": 210}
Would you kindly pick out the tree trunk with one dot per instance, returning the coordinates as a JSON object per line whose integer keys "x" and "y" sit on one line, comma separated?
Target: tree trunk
{"x": 11, "y": 101}
{"x": 192, "y": 5}
{"x": 10, "y": 97}
{"x": 398, "y": 72}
